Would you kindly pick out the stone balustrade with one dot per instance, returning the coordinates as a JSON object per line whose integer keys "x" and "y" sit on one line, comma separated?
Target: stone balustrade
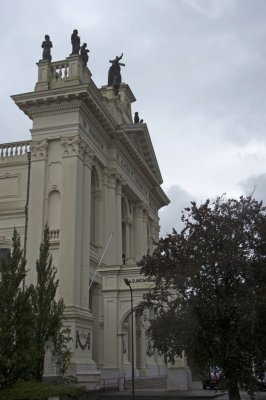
{"x": 59, "y": 70}
{"x": 54, "y": 235}
{"x": 14, "y": 150}
{"x": 57, "y": 74}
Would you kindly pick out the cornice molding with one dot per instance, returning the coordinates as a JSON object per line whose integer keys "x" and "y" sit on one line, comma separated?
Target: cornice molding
{"x": 60, "y": 106}
{"x": 142, "y": 134}
{"x": 132, "y": 151}
{"x": 70, "y": 97}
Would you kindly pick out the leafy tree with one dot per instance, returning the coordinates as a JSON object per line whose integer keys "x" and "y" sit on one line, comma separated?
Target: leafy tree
{"x": 16, "y": 319}
{"x": 209, "y": 298}
{"x": 48, "y": 313}
{"x": 29, "y": 317}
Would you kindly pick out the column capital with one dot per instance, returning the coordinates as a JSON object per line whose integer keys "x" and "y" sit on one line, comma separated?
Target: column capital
{"x": 145, "y": 216}
{"x": 127, "y": 220}
{"x": 89, "y": 157}
{"x": 141, "y": 208}
{"x": 73, "y": 146}
{"x": 156, "y": 232}
{"x": 109, "y": 178}
{"x": 120, "y": 182}
{"x": 113, "y": 179}
{"x": 39, "y": 150}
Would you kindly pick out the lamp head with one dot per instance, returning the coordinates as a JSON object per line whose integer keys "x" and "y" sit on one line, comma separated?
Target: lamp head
{"x": 127, "y": 282}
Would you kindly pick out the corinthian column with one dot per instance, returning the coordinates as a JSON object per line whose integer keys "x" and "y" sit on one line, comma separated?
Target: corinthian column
{"x": 86, "y": 220}
{"x": 138, "y": 231}
{"x": 71, "y": 225}
{"x": 127, "y": 239}
{"x": 118, "y": 195}
{"x": 39, "y": 152}
{"x": 145, "y": 231}
{"x": 110, "y": 215}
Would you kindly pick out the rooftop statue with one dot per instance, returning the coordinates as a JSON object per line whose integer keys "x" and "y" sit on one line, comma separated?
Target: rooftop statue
{"x": 75, "y": 41}
{"x": 114, "y": 75}
{"x": 47, "y": 45}
{"x": 84, "y": 54}
{"x": 136, "y": 118}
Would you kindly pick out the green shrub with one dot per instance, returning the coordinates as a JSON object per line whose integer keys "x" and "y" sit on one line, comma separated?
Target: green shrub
{"x": 39, "y": 391}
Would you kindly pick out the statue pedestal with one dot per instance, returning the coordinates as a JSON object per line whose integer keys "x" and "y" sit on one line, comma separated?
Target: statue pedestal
{"x": 50, "y": 368}
{"x": 44, "y": 75}
{"x": 179, "y": 375}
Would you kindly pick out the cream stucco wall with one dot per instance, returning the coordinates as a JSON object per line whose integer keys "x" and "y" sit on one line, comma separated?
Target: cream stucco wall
{"x": 94, "y": 178}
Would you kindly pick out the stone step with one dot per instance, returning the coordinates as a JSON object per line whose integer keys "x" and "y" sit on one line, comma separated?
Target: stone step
{"x": 147, "y": 383}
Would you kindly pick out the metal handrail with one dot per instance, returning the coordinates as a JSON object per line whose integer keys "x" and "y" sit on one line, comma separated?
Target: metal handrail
{"x": 103, "y": 383}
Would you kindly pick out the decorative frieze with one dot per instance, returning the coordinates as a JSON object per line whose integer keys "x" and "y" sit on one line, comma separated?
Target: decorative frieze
{"x": 61, "y": 104}
{"x": 94, "y": 135}
{"x": 134, "y": 177}
{"x": 39, "y": 150}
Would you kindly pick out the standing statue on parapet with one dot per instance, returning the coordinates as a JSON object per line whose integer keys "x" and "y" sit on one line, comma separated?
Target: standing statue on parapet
{"x": 47, "y": 45}
{"x": 136, "y": 118}
{"x": 75, "y": 41}
{"x": 84, "y": 54}
{"x": 114, "y": 75}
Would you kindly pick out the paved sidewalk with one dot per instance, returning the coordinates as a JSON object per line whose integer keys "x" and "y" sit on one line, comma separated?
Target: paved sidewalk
{"x": 162, "y": 394}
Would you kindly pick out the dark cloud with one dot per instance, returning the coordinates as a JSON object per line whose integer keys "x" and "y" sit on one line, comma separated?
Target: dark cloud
{"x": 196, "y": 67}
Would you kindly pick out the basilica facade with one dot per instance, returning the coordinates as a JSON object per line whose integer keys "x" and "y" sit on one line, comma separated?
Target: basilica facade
{"x": 91, "y": 174}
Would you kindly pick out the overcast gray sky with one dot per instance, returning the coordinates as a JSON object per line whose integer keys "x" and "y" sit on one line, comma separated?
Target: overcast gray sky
{"x": 196, "y": 67}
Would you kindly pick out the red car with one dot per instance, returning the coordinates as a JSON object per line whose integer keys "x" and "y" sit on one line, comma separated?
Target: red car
{"x": 212, "y": 380}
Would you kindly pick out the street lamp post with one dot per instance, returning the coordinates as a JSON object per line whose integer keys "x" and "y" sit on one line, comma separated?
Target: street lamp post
{"x": 132, "y": 338}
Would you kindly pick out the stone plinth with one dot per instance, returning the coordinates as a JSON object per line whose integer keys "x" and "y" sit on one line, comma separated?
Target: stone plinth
{"x": 179, "y": 375}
